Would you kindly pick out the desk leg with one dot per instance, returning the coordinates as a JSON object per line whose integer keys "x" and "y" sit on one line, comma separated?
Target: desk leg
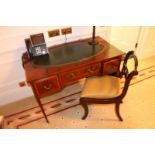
{"x": 42, "y": 109}
{"x": 40, "y": 104}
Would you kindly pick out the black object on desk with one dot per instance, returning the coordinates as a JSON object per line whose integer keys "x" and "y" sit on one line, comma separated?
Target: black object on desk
{"x": 36, "y": 45}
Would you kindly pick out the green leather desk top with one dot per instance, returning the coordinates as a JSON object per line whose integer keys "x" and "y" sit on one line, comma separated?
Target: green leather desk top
{"x": 69, "y": 53}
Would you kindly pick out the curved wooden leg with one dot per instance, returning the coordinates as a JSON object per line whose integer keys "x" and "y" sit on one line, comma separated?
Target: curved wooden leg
{"x": 117, "y": 111}
{"x": 85, "y": 107}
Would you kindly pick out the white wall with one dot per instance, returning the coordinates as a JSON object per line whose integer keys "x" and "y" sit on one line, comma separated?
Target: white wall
{"x": 124, "y": 37}
{"x": 11, "y": 48}
{"x": 146, "y": 46}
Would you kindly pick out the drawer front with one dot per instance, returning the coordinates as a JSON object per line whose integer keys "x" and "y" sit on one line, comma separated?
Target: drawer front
{"x": 72, "y": 76}
{"x": 91, "y": 70}
{"x": 47, "y": 86}
{"x": 111, "y": 66}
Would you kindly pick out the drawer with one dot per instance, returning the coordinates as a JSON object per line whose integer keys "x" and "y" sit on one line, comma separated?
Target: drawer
{"x": 112, "y": 66}
{"x": 90, "y": 70}
{"x": 72, "y": 76}
{"x": 47, "y": 86}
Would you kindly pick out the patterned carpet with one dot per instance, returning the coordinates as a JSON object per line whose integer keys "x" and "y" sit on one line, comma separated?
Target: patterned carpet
{"x": 133, "y": 110}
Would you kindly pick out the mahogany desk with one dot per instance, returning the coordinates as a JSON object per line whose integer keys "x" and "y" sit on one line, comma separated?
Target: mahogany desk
{"x": 67, "y": 63}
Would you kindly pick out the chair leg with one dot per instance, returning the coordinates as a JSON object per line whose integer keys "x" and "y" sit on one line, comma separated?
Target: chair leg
{"x": 117, "y": 111}
{"x": 85, "y": 107}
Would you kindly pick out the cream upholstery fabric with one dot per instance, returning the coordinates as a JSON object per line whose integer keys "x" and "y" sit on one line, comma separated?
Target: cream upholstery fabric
{"x": 101, "y": 87}
{"x": 1, "y": 122}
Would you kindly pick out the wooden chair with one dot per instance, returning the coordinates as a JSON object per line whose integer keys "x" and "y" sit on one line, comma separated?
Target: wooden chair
{"x": 106, "y": 89}
{"x": 1, "y": 122}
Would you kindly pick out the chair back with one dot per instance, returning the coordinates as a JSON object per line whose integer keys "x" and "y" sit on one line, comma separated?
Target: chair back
{"x": 125, "y": 71}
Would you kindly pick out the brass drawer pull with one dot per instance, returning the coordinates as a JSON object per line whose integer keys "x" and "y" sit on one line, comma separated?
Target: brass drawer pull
{"x": 71, "y": 75}
{"x": 47, "y": 87}
{"x": 92, "y": 69}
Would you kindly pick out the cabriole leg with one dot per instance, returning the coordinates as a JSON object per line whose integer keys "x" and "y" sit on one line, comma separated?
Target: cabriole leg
{"x": 117, "y": 111}
{"x": 85, "y": 107}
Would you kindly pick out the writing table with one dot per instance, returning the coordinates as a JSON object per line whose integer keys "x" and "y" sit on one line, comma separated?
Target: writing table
{"x": 67, "y": 63}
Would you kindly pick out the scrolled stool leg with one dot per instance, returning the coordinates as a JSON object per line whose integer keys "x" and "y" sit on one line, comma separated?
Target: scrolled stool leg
{"x": 85, "y": 107}
{"x": 117, "y": 111}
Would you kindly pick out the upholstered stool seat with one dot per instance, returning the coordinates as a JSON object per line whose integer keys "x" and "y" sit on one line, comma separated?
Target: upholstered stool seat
{"x": 101, "y": 87}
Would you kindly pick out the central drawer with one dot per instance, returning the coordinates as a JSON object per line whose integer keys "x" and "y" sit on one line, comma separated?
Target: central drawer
{"x": 47, "y": 86}
{"x": 73, "y": 76}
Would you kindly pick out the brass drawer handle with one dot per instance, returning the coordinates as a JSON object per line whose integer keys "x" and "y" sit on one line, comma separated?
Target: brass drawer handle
{"x": 92, "y": 69}
{"x": 71, "y": 75}
{"x": 114, "y": 67}
{"x": 47, "y": 87}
